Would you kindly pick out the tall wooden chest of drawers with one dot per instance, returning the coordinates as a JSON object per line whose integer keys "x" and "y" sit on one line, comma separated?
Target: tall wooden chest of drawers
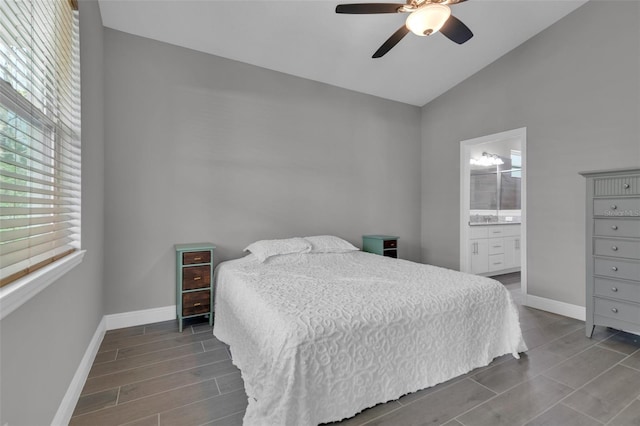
{"x": 194, "y": 281}
{"x": 613, "y": 249}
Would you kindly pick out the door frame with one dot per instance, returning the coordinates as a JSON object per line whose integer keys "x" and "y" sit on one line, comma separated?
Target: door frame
{"x": 465, "y": 195}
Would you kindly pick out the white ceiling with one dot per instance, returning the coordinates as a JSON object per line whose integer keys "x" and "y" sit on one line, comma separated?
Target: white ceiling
{"x": 306, "y": 38}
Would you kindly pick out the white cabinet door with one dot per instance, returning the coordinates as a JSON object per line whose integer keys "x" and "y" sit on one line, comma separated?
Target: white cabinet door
{"x": 512, "y": 252}
{"x": 479, "y": 252}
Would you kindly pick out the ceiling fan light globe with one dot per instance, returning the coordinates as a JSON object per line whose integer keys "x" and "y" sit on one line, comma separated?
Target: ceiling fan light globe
{"x": 428, "y": 19}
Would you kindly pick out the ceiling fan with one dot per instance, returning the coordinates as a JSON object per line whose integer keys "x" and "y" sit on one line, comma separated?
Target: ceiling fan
{"x": 426, "y": 17}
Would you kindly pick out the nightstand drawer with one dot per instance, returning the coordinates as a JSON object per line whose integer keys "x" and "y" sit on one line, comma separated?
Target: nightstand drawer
{"x": 194, "y": 257}
{"x": 196, "y": 302}
{"x": 390, "y": 244}
{"x": 196, "y": 277}
{"x": 391, "y": 253}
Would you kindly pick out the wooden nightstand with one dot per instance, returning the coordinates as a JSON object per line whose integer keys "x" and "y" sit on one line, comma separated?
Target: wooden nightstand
{"x": 385, "y": 245}
{"x": 194, "y": 281}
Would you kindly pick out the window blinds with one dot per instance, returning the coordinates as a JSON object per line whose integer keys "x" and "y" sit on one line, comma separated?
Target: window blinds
{"x": 39, "y": 134}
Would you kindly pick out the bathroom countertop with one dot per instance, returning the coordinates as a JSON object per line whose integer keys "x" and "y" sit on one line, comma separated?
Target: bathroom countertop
{"x": 493, "y": 223}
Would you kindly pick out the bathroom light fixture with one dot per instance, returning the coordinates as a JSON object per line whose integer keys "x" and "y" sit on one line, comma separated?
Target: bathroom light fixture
{"x": 487, "y": 160}
{"x": 428, "y": 19}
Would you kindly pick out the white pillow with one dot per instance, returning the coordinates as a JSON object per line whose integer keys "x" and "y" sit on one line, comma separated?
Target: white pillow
{"x": 266, "y": 248}
{"x": 330, "y": 244}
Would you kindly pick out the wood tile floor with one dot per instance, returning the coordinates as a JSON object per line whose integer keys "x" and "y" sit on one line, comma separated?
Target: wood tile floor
{"x": 155, "y": 375}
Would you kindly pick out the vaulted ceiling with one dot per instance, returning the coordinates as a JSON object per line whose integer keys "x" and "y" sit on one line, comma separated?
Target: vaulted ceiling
{"x": 306, "y": 38}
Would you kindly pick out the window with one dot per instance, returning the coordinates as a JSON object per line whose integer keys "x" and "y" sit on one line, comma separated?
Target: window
{"x": 516, "y": 163}
{"x": 39, "y": 135}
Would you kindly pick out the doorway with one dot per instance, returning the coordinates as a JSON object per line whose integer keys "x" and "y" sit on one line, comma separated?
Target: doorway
{"x": 493, "y": 205}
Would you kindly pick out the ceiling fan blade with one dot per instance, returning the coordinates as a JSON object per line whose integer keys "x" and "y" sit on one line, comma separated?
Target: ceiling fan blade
{"x": 391, "y": 41}
{"x": 360, "y": 8}
{"x": 456, "y": 31}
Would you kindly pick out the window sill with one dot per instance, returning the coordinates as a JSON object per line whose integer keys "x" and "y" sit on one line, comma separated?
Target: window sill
{"x": 16, "y": 294}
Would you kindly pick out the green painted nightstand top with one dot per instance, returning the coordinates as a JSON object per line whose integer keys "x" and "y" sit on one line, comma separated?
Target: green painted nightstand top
{"x": 194, "y": 247}
{"x": 381, "y": 237}
{"x": 385, "y": 245}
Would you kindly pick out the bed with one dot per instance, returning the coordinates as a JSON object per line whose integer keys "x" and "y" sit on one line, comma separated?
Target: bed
{"x": 320, "y": 336}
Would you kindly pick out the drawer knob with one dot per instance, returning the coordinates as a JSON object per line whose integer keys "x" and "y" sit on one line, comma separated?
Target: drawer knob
{"x": 614, "y": 268}
{"x": 614, "y": 289}
{"x": 614, "y": 248}
{"x": 626, "y": 186}
{"x": 614, "y": 310}
{"x": 197, "y": 258}
{"x": 614, "y": 227}
{"x": 197, "y": 278}
{"x": 197, "y": 304}
{"x": 614, "y": 207}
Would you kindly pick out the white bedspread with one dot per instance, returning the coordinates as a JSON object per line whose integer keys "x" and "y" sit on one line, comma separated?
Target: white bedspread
{"x": 320, "y": 337}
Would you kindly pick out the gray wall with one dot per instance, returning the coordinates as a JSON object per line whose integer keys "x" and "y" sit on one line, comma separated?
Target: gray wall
{"x": 44, "y": 340}
{"x": 577, "y": 90}
{"x": 201, "y": 148}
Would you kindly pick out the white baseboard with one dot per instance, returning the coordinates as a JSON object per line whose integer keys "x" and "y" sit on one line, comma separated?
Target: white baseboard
{"x": 108, "y": 322}
{"x": 556, "y": 307}
{"x": 146, "y": 316}
{"x": 70, "y": 399}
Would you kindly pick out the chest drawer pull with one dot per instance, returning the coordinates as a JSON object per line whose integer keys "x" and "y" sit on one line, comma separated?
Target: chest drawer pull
{"x": 614, "y": 207}
{"x": 197, "y": 304}
{"x": 614, "y": 248}
{"x": 614, "y": 268}
{"x": 614, "y": 227}
{"x": 614, "y": 310}
{"x": 626, "y": 186}
{"x": 614, "y": 289}
{"x": 197, "y": 278}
